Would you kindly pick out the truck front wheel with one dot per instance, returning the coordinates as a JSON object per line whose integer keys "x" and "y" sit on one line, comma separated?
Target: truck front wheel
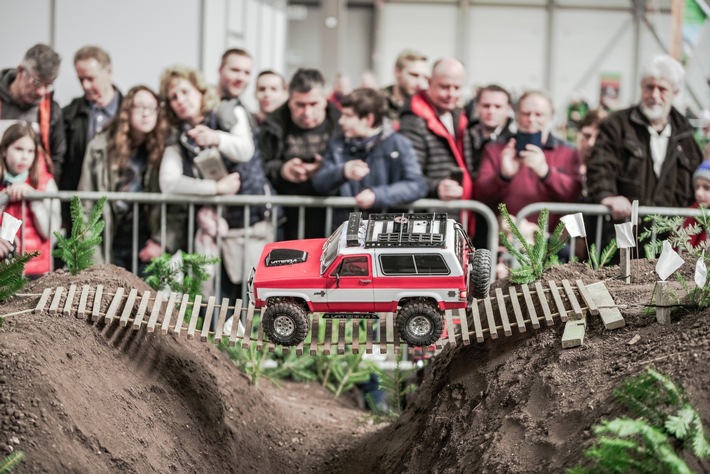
{"x": 285, "y": 323}
{"x": 420, "y": 323}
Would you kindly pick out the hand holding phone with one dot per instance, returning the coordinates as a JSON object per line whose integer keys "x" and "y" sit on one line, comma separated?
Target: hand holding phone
{"x": 523, "y": 139}
{"x": 456, "y": 174}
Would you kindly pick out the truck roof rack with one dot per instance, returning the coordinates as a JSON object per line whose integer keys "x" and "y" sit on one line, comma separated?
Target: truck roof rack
{"x": 399, "y": 230}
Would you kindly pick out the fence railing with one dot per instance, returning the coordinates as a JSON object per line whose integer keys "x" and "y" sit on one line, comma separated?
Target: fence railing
{"x": 303, "y": 203}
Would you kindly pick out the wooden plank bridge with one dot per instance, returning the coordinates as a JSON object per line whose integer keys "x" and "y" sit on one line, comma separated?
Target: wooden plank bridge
{"x": 518, "y": 309}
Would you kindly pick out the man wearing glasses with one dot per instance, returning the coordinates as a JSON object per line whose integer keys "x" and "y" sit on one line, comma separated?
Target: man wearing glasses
{"x": 26, "y": 94}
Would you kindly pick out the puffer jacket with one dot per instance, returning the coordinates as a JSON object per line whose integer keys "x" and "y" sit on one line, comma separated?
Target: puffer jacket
{"x": 621, "y": 163}
{"x": 395, "y": 176}
{"x": 437, "y": 151}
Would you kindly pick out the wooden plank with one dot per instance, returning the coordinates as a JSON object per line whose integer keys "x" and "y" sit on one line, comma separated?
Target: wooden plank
{"x": 492, "y": 330}
{"x": 557, "y": 297}
{"x": 70, "y": 300}
{"x": 450, "y": 334}
{"x": 299, "y": 348}
{"x": 96, "y": 307}
{"x": 54, "y": 307}
{"x": 396, "y": 339}
{"x": 530, "y": 306}
{"x": 221, "y": 317}
{"x": 169, "y": 312}
{"x": 113, "y": 307}
{"x": 341, "y": 337}
{"x": 155, "y": 312}
{"x": 145, "y": 299}
{"x": 463, "y": 318}
{"x": 196, "y": 306}
{"x": 246, "y": 341}
{"x": 516, "y": 309}
{"x": 236, "y": 321}
{"x": 207, "y": 322}
{"x": 328, "y": 336}
{"x": 543, "y": 301}
{"x": 356, "y": 336}
{"x": 477, "y": 322}
{"x": 181, "y": 313}
{"x": 314, "y": 333}
{"x": 368, "y": 341}
{"x": 573, "y": 335}
{"x": 43, "y": 300}
{"x": 588, "y": 300}
{"x": 383, "y": 332}
{"x": 503, "y": 311}
{"x": 260, "y": 335}
{"x": 128, "y": 308}
{"x": 576, "y": 308}
{"x": 610, "y": 314}
{"x": 81, "y": 311}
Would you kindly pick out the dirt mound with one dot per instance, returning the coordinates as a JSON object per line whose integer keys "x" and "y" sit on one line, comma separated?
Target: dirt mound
{"x": 83, "y": 397}
{"x": 522, "y": 404}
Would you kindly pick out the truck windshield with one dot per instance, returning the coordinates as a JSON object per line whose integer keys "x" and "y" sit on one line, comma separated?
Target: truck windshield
{"x": 330, "y": 249}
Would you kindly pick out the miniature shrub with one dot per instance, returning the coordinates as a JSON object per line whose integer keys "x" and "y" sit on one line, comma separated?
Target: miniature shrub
{"x": 77, "y": 250}
{"x": 12, "y": 278}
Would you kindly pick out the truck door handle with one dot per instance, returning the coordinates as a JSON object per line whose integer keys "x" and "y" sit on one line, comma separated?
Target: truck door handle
{"x": 321, "y": 293}
{"x": 365, "y": 281}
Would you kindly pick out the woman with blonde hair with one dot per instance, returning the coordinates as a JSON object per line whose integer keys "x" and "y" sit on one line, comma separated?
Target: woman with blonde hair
{"x": 126, "y": 158}
{"x": 211, "y": 153}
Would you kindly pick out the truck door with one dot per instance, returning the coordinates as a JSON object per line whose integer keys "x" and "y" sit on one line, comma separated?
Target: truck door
{"x": 350, "y": 286}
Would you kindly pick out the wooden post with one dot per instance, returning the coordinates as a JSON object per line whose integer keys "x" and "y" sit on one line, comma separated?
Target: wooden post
{"x": 625, "y": 264}
{"x": 662, "y": 297}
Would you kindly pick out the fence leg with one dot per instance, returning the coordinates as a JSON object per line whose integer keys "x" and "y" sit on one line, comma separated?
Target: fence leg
{"x": 662, "y": 297}
{"x": 625, "y": 264}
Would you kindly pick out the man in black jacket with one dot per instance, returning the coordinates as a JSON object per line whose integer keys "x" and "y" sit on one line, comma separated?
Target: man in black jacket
{"x": 646, "y": 152}
{"x": 292, "y": 142}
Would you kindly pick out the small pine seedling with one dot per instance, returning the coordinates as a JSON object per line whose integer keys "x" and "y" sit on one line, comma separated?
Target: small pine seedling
{"x": 77, "y": 251}
{"x": 11, "y": 461}
{"x": 597, "y": 260}
{"x": 12, "y": 279}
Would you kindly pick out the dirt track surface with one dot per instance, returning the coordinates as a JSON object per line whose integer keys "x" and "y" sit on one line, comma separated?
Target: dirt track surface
{"x": 82, "y": 397}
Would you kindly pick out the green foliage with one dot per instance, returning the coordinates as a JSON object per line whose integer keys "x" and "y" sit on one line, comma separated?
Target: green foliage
{"x": 77, "y": 251}
{"x": 647, "y": 444}
{"x": 185, "y": 277}
{"x": 12, "y": 279}
{"x": 396, "y": 387}
{"x": 11, "y": 461}
{"x": 340, "y": 373}
{"x": 533, "y": 259}
{"x": 249, "y": 360}
{"x": 597, "y": 260}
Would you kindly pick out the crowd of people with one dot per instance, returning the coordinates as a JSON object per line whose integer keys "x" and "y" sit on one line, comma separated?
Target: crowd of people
{"x": 383, "y": 147}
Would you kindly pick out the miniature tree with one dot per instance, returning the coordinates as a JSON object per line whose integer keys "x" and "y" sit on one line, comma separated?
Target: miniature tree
{"x": 77, "y": 251}
{"x": 535, "y": 258}
{"x": 186, "y": 277}
{"x": 12, "y": 279}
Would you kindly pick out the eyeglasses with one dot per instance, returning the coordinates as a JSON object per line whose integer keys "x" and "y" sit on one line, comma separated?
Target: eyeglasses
{"x": 36, "y": 83}
{"x": 142, "y": 109}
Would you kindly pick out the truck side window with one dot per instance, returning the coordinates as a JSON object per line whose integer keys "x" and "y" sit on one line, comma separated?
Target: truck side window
{"x": 431, "y": 264}
{"x": 397, "y": 264}
{"x": 355, "y": 266}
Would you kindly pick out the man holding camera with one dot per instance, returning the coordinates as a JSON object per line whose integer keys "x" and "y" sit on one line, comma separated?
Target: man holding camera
{"x": 292, "y": 142}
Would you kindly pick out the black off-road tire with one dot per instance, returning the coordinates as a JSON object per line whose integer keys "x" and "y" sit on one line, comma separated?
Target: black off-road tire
{"x": 285, "y": 323}
{"x": 480, "y": 284}
{"x": 420, "y": 323}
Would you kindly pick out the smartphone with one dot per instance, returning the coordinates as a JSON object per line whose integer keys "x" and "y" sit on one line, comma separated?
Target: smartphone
{"x": 522, "y": 139}
{"x": 308, "y": 159}
{"x": 456, "y": 174}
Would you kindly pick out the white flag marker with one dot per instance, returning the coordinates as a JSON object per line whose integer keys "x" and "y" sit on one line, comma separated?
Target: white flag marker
{"x": 624, "y": 235}
{"x": 668, "y": 262}
{"x": 635, "y": 213}
{"x": 701, "y": 273}
{"x": 574, "y": 223}
{"x": 10, "y": 226}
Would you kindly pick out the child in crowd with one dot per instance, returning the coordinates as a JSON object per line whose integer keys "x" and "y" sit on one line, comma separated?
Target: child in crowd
{"x": 20, "y": 172}
{"x": 701, "y": 182}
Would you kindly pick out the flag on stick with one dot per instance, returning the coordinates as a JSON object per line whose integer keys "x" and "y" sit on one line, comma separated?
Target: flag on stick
{"x": 701, "y": 273}
{"x": 574, "y": 223}
{"x": 668, "y": 262}
{"x": 10, "y": 226}
{"x": 635, "y": 213}
{"x": 624, "y": 235}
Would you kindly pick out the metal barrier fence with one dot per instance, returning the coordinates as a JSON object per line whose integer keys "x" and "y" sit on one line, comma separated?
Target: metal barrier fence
{"x": 600, "y": 211}
{"x": 220, "y": 202}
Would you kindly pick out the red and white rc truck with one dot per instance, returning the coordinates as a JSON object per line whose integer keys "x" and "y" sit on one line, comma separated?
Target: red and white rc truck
{"x": 417, "y": 265}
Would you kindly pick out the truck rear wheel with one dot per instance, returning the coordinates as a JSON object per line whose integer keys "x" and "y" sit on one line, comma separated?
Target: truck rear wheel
{"x": 481, "y": 273}
{"x": 420, "y": 323}
{"x": 285, "y": 323}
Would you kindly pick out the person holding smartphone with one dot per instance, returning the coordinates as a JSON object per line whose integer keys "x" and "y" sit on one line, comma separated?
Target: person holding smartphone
{"x": 533, "y": 166}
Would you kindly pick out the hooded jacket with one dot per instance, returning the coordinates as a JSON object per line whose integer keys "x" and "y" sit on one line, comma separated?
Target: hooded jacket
{"x": 10, "y": 110}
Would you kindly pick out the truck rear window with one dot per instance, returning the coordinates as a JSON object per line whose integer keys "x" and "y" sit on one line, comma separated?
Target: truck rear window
{"x": 419, "y": 264}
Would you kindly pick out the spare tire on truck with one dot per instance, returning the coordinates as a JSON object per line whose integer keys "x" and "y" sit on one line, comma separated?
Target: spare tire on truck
{"x": 480, "y": 284}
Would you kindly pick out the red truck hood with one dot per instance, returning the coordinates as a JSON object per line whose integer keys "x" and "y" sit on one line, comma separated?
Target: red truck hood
{"x": 291, "y": 269}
